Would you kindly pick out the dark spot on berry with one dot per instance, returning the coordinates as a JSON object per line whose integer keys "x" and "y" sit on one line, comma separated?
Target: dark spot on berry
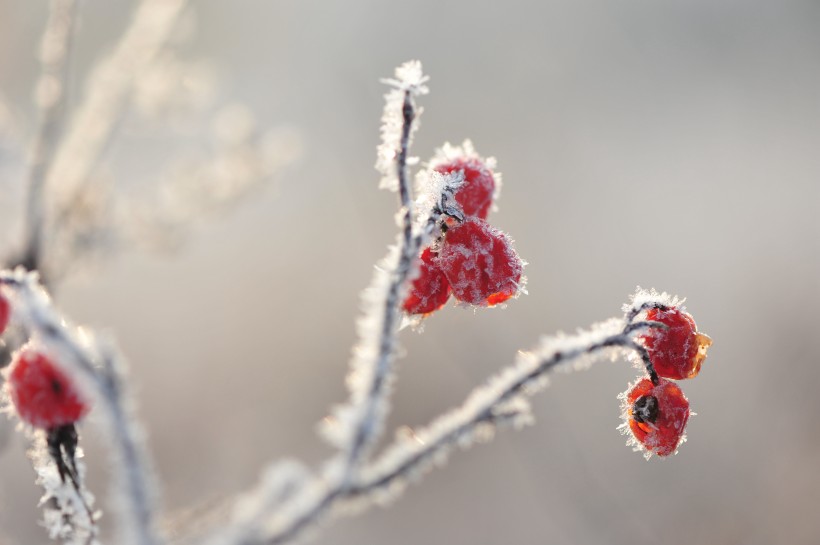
{"x": 56, "y": 386}
{"x": 645, "y": 409}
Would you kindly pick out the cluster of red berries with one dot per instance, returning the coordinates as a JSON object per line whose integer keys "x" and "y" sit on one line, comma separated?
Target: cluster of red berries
{"x": 655, "y": 409}
{"x": 472, "y": 260}
{"x": 44, "y": 397}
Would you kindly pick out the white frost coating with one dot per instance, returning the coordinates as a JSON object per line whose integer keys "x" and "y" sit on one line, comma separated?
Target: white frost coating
{"x": 435, "y": 191}
{"x": 372, "y": 353}
{"x": 501, "y": 401}
{"x": 408, "y": 79}
{"x": 642, "y": 298}
{"x": 67, "y": 515}
{"x": 98, "y": 370}
{"x": 449, "y": 152}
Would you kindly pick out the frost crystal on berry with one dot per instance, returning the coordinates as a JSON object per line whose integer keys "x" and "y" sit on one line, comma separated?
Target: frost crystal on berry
{"x": 655, "y": 415}
{"x": 480, "y": 188}
{"x": 430, "y": 290}
{"x": 409, "y": 82}
{"x": 480, "y": 263}
{"x": 677, "y": 351}
{"x": 43, "y": 395}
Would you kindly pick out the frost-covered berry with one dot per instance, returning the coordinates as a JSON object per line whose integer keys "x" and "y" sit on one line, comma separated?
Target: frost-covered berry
{"x": 430, "y": 290}
{"x": 476, "y": 195}
{"x": 43, "y": 395}
{"x": 655, "y": 415}
{"x": 480, "y": 263}
{"x": 679, "y": 351}
{"x": 5, "y": 313}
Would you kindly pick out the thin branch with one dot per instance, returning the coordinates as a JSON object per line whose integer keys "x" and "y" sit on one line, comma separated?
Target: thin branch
{"x": 99, "y": 368}
{"x": 503, "y": 400}
{"x": 369, "y": 425}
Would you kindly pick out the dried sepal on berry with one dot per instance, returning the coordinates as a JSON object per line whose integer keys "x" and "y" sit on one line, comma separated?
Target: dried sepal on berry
{"x": 41, "y": 393}
{"x": 480, "y": 263}
{"x": 655, "y": 416}
{"x": 430, "y": 290}
{"x": 5, "y": 313}
{"x": 480, "y": 186}
{"x": 678, "y": 350}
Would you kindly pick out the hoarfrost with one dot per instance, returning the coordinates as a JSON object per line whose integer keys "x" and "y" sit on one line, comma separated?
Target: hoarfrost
{"x": 449, "y": 152}
{"x": 67, "y": 511}
{"x": 409, "y": 82}
{"x": 98, "y": 369}
{"x": 643, "y": 299}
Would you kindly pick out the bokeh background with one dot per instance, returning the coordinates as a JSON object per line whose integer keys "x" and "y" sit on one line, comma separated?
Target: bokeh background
{"x": 666, "y": 144}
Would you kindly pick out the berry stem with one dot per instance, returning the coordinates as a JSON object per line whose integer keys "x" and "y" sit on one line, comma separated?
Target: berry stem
{"x": 647, "y": 362}
{"x": 62, "y": 446}
{"x": 635, "y": 311}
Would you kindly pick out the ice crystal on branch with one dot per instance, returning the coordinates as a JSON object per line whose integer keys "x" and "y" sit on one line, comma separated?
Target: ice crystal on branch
{"x": 645, "y": 299}
{"x": 98, "y": 369}
{"x": 409, "y": 82}
{"x": 67, "y": 510}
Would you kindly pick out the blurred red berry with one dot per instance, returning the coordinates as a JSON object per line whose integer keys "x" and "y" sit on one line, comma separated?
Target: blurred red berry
{"x": 430, "y": 290}
{"x": 43, "y": 395}
{"x": 656, "y": 415}
{"x": 476, "y": 195}
{"x": 480, "y": 263}
{"x": 679, "y": 351}
{"x": 5, "y": 313}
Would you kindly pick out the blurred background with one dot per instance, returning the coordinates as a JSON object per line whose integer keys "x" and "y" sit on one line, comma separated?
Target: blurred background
{"x": 666, "y": 144}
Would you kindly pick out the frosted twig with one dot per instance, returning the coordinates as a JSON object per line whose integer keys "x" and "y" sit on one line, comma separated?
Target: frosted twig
{"x": 51, "y": 94}
{"x": 68, "y": 514}
{"x": 502, "y": 400}
{"x": 99, "y": 368}
{"x": 355, "y": 426}
{"x": 370, "y": 421}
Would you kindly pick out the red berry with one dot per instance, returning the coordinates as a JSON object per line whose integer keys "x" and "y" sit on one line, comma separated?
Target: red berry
{"x": 43, "y": 395}
{"x": 480, "y": 263}
{"x": 5, "y": 313}
{"x": 430, "y": 290}
{"x": 656, "y": 415}
{"x": 476, "y": 195}
{"x": 679, "y": 351}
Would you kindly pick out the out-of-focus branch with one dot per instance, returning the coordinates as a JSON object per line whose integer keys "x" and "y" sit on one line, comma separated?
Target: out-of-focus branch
{"x": 108, "y": 90}
{"x": 51, "y": 97}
